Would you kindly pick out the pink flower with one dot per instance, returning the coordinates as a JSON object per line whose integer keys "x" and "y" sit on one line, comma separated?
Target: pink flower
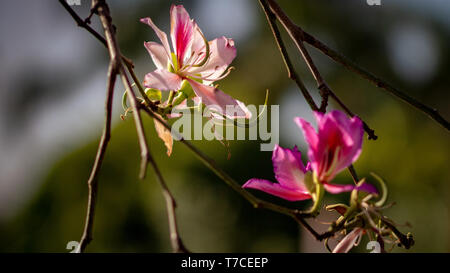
{"x": 334, "y": 147}
{"x": 193, "y": 59}
{"x": 289, "y": 172}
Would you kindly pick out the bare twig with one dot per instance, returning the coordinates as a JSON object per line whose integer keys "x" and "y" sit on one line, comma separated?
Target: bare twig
{"x": 116, "y": 67}
{"x": 114, "y": 52}
{"x": 85, "y": 24}
{"x": 298, "y": 34}
{"x": 370, "y": 132}
{"x": 273, "y": 11}
{"x": 352, "y": 171}
{"x": 93, "y": 178}
{"x": 406, "y": 240}
{"x": 82, "y": 23}
{"x": 296, "y": 214}
{"x": 177, "y": 243}
{"x": 322, "y": 85}
{"x": 292, "y": 74}
{"x": 210, "y": 163}
{"x": 104, "y": 15}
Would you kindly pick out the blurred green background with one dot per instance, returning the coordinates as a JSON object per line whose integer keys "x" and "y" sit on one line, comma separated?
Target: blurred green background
{"x": 53, "y": 86}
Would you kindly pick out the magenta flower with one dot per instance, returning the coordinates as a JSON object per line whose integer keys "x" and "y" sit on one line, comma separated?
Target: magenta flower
{"x": 335, "y": 146}
{"x": 289, "y": 172}
{"x": 194, "y": 60}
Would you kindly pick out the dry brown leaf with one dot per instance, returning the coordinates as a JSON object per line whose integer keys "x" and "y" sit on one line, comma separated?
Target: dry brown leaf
{"x": 165, "y": 135}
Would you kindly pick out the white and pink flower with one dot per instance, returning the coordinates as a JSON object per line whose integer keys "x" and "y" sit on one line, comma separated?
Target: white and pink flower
{"x": 193, "y": 59}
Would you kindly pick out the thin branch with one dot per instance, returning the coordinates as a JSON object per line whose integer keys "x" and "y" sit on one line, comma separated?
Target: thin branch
{"x": 177, "y": 243}
{"x": 93, "y": 178}
{"x": 298, "y": 215}
{"x": 292, "y": 74}
{"x": 140, "y": 88}
{"x": 273, "y": 11}
{"x": 352, "y": 171}
{"x": 114, "y": 52}
{"x": 85, "y": 24}
{"x": 406, "y": 240}
{"x": 257, "y": 203}
{"x": 298, "y": 34}
{"x": 116, "y": 66}
{"x": 322, "y": 85}
{"x": 82, "y": 23}
{"x": 370, "y": 132}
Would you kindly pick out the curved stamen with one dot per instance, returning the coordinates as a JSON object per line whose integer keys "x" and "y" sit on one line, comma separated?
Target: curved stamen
{"x": 208, "y": 53}
{"x": 190, "y": 63}
{"x": 207, "y": 78}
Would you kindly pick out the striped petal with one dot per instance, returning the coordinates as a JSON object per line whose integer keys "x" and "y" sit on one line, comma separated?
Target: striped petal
{"x": 161, "y": 35}
{"x": 181, "y": 31}
{"x": 288, "y": 168}
{"x": 158, "y": 54}
{"x": 222, "y": 53}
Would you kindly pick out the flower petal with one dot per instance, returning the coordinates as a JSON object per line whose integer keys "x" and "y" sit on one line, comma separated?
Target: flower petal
{"x": 217, "y": 100}
{"x": 161, "y": 35}
{"x": 335, "y": 146}
{"x": 198, "y": 45}
{"x": 308, "y": 131}
{"x": 312, "y": 139}
{"x": 340, "y": 188}
{"x": 348, "y": 241}
{"x": 339, "y": 130}
{"x": 276, "y": 189}
{"x": 353, "y": 136}
{"x": 162, "y": 80}
{"x": 181, "y": 31}
{"x": 248, "y": 113}
{"x": 222, "y": 53}
{"x": 288, "y": 168}
{"x": 158, "y": 54}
